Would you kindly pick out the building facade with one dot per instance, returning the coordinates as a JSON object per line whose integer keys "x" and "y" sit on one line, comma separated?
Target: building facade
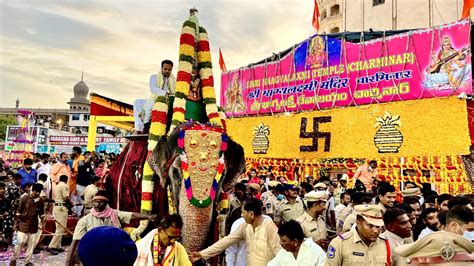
{"x": 363, "y": 15}
{"x": 74, "y": 119}
{"x": 379, "y": 15}
{"x": 47, "y": 117}
{"x": 79, "y": 108}
{"x": 330, "y": 19}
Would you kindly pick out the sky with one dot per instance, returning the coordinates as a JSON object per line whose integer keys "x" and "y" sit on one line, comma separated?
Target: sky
{"x": 45, "y": 45}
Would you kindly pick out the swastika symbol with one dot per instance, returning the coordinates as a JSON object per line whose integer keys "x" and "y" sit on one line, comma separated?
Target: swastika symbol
{"x": 315, "y": 135}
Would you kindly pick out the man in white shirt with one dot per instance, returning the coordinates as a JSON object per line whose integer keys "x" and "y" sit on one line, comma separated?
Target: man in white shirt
{"x": 345, "y": 200}
{"x": 297, "y": 250}
{"x": 330, "y": 214}
{"x": 44, "y": 167}
{"x": 236, "y": 255}
{"x": 259, "y": 234}
{"x": 429, "y": 217}
{"x": 36, "y": 160}
{"x": 161, "y": 84}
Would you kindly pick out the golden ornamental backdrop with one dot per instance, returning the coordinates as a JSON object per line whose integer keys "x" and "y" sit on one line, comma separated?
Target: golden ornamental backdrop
{"x": 431, "y": 127}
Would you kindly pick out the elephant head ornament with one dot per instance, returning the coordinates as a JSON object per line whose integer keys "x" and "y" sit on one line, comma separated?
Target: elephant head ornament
{"x": 195, "y": 161}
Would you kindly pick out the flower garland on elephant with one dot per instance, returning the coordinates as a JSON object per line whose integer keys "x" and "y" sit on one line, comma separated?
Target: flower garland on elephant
{"x": 193, "y": 47}
{"x": 187, "y": 57}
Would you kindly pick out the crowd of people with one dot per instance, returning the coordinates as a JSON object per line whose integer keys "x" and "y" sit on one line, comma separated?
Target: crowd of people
{"x": 268, "y": 221}
{"x": 47, "y": 184}
{"x": 367, "y": 224}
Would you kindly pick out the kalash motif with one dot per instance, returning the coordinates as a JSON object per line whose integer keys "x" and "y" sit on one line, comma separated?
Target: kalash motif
{"x": 188, "y": 164}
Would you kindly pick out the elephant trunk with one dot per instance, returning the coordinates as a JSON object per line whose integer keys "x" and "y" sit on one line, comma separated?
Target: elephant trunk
{"x": 196, "y": 223}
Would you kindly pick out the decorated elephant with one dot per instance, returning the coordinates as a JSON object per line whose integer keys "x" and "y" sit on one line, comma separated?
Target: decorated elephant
{"x": 188, "y": 164}
{"x": 195, "y": 162}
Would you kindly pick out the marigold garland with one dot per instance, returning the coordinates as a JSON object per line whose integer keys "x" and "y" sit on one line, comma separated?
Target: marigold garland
{"x": 207, "y": 80}
{"x": 157, "y": 131}
{"x": 186, "y": 59}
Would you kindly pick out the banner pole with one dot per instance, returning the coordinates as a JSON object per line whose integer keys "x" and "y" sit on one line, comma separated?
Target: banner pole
{"x": 91, "y": 135}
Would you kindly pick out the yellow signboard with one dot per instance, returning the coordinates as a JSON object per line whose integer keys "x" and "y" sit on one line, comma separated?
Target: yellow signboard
{"x": 429, "y": 127}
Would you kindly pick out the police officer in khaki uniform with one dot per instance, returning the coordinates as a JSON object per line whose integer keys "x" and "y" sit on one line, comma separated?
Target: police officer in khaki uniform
{"x": 290, "y": 208}
{"x": 438, "y": 248}
{"x": 412, "y": 192}
{"x": 269, "y": 199}
{"x": 363, "y": 245}
{"x": 312, "y": 220}
{"x": 60, "y": 214}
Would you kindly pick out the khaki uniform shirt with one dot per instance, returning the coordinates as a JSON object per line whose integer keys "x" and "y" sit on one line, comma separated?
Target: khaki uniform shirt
{"x": 342, "y": 218}
{"x": 287, "y": 211}
{"x": 89, "y": 194}
{"x": 88, "y": 222}
{"x": 384, "y": 209}
{"x": 396, "y": 241}
{"x": 349, "y": 249}
{"x": 349, "y": 222}
{"x": 269, "y": 202}
{"x": 263, "y": 243}
{"x": 316, "y": 229}
{"x": 60, "y": 192}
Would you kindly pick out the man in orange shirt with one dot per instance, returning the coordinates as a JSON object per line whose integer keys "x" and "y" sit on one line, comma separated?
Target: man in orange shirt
{"x": 58, "y": 169}
{"x": 366, "y": 174}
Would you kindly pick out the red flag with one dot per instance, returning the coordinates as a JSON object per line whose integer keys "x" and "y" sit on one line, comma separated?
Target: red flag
{"x": 466, "y": 9}
{"x": 221, "y": 62}
{"x": 316, "y": 16}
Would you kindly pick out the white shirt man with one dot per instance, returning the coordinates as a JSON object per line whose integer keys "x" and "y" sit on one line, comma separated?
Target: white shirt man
{"x": 259, "y": 234}
{"x": 161, "y": 84}
{"x": 344, "y": 202}
{"x": 297, "y": 250}
{"x": 309, "y": 254}
{"x": 425, "y": 232}
{"x": 45, "y": 168}
{"x": 236, "y": 255}
{"x": 338, "y": 209}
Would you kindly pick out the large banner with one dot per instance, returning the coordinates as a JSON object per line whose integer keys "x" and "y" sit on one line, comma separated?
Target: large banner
{"x": 323, "y": 72}
{"x": 81, "y": 140}
{"x": 428, "y": 127}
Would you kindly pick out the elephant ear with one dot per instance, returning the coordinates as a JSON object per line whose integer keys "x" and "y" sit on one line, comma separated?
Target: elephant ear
{"x": 157, "y": 162}
{"x": 163, "y": 156}
{"x": 234, "y": 160}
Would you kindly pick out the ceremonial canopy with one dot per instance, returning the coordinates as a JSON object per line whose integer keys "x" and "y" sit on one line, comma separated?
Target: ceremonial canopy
{"x": 110, "y": 112}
